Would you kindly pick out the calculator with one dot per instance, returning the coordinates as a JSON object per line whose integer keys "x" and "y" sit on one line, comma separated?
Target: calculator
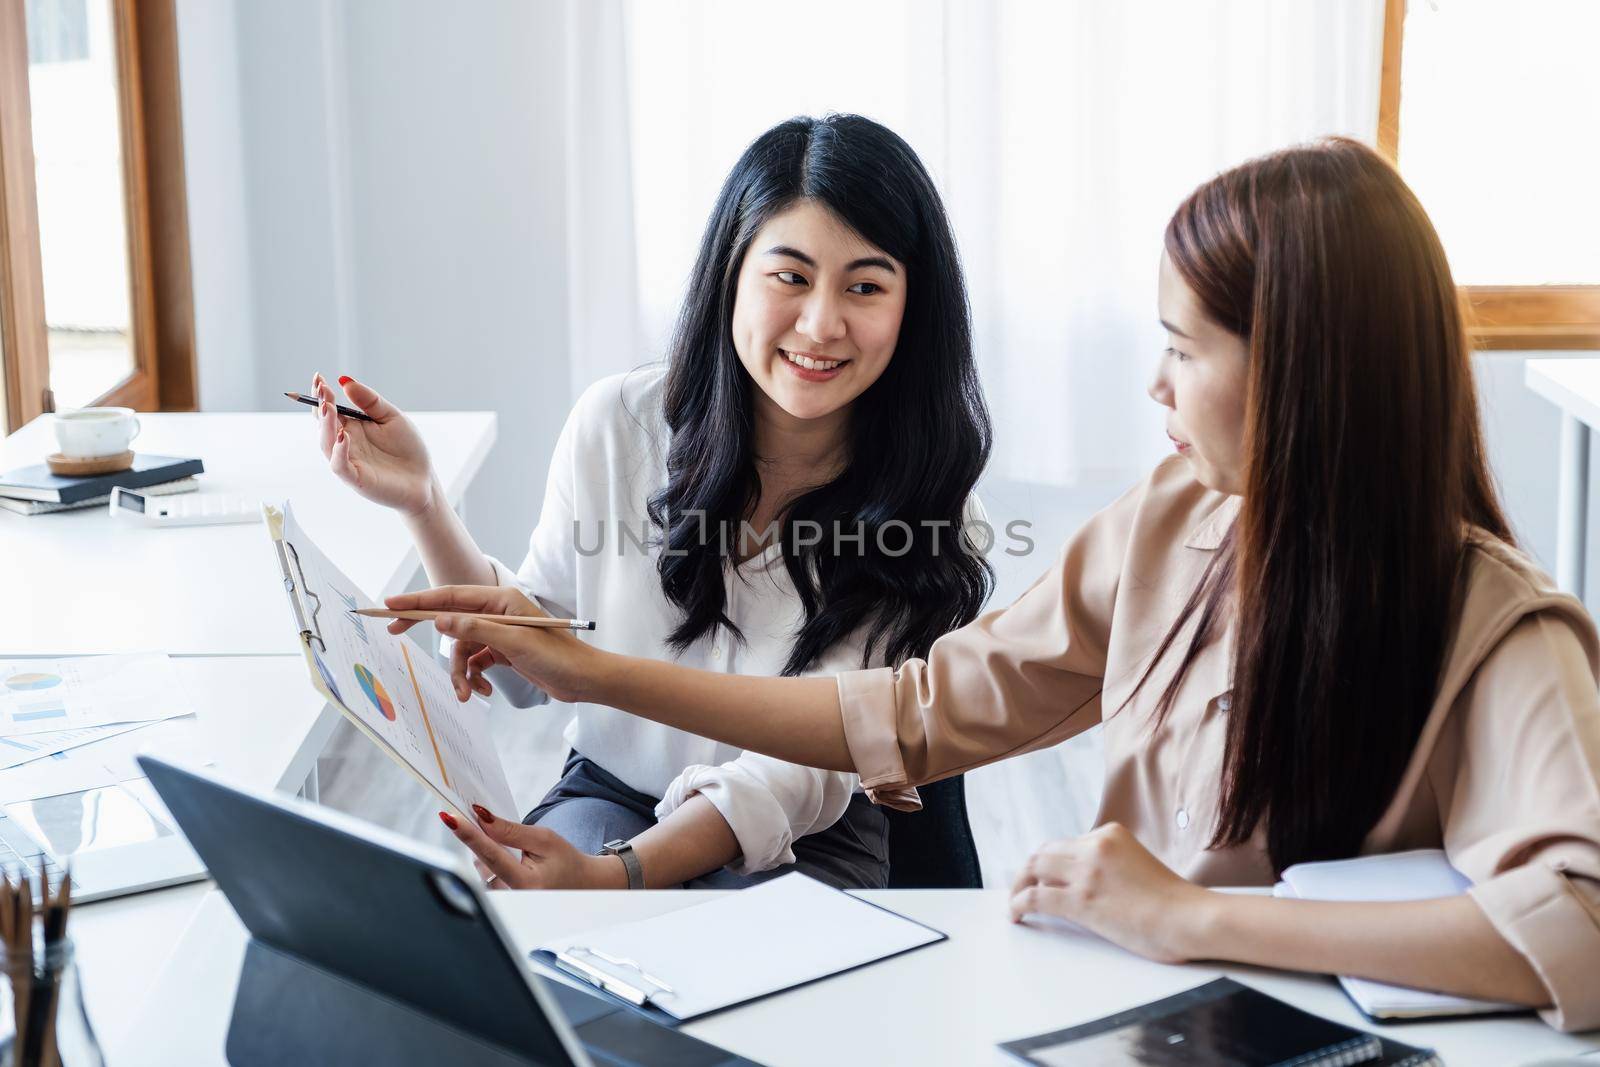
{"x": 186, "y": 509}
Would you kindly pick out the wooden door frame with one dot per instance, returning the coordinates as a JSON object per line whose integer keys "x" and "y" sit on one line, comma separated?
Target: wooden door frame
{"x": 22, "y": 329}
{"x": 161, "y": 295}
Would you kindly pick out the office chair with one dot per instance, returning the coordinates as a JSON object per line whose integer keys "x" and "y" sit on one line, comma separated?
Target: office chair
{"x": 933, "y": 848}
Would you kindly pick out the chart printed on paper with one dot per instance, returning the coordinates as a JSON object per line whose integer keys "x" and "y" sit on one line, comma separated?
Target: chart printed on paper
{"x": 388, "y": 685}
{"x": 63, "y": 696}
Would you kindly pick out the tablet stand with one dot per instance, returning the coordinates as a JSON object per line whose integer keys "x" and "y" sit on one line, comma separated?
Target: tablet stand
{"x": 291, "y": 1012}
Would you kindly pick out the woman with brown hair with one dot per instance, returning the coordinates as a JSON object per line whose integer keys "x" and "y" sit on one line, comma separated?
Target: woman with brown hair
{"x": 1309, "y": 635}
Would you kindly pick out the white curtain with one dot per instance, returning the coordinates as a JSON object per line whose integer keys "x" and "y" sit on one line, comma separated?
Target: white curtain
{"x": 1062, "y": 135}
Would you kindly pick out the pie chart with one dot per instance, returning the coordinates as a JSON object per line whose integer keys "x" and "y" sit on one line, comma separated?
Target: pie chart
{"x": 375, "y": 692}
{"x": 26, "y": 682}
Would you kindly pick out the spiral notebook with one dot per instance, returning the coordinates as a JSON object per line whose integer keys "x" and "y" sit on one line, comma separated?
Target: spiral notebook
{"x": 771, "y": 937}
{"x": 1223, "y": 1024}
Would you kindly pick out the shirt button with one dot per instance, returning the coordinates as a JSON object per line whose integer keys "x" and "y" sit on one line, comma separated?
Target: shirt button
{"x": 716, "y": 651}
{"x": 1183, "y": 818}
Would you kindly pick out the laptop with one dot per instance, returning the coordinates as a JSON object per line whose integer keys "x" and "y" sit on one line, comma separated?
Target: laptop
{"x": 392, "y": 930}
{"x": 118, "y": 838}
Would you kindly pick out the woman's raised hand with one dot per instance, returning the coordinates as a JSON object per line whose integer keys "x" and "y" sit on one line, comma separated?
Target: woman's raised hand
{"x": 383, "y": 460}
{"x": 554, "y": 660}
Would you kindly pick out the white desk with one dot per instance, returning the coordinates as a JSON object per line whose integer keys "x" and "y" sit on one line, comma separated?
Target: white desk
{"x": 946, "y": 1004}
{"x": 83, "y": 583}
{"x": 264, "y": 725}
{"x": 1573, "y": 385}
{"x": 78, "y": 583}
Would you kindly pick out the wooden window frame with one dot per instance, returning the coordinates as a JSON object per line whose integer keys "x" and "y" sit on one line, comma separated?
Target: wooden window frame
{"x": 1498, "y": 316}
{"x": 161, "y": 296}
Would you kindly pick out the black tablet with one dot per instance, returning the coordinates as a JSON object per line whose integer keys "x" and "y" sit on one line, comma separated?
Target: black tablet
{"x": 401, "y": 919}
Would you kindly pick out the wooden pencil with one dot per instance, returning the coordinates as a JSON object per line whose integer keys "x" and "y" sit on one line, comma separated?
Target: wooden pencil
{"x": 55, "y": 932}
{"x": 21, "y": 965}
{"x": 538, "y": 622}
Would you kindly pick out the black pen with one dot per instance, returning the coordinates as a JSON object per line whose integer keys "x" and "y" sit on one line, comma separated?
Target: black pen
{"x": 349, "y": 413}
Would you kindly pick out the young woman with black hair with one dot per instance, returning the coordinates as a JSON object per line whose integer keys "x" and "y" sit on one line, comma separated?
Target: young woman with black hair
{"x": 727, "y": 510}
{"x": 1309, "y": 634}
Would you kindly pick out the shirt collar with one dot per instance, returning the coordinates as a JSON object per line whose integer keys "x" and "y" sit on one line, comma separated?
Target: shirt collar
{"x": 1210, "y": 531}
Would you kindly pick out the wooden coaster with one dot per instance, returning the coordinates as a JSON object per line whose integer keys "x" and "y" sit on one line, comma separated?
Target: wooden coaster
{"x": 68, "y": 467}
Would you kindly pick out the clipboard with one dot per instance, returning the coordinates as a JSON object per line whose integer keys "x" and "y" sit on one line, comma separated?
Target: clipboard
{"x": 294, "y": 582}
{"x": 745, "y": 946}
{"x": 445, "y": 745}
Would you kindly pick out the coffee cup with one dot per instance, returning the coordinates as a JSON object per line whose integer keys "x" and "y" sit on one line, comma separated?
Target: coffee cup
{"x": 92, "y": 433}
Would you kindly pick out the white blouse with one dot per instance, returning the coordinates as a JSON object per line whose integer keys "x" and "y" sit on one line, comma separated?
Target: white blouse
{"x": 585, "y": 561}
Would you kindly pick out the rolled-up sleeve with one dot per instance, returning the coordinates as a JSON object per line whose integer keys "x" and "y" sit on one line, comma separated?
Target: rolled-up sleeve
{"x": 767, "y": 803}
{"x": 1016, "y": 679}
{"x": 1521, "y": 805}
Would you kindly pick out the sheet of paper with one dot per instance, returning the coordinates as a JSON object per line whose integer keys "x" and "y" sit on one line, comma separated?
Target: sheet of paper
{"x": 400, "y": 694}
{"x": 39, "y": 696}
{"x": 24, "y": 748}
{"x": 745, "y": 945}
{"x": 106, "y": 761}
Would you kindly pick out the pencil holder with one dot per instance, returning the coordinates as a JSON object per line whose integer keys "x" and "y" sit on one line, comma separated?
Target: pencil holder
{"x": 43, "y": 1022}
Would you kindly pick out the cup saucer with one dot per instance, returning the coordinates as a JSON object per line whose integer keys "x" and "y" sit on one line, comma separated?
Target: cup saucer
{"x": 78, "y": 467}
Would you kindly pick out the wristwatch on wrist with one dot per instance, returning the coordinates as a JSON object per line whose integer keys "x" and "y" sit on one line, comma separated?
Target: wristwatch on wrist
{"x": 623, "y": 850}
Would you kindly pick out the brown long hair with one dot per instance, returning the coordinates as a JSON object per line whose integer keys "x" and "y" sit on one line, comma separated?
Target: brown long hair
{"x": 1365, "y": 465}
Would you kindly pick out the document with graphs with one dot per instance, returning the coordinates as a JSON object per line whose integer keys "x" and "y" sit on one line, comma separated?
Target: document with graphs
{"x": 386, "y": 684}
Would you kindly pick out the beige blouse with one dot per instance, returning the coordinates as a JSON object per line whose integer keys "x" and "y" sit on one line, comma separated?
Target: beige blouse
{"x": 1505, "y": 777}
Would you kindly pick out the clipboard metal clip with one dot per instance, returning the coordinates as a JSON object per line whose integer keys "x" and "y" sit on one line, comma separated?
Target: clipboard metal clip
{"x": 578, "y": 959}
{"x": 289, "y": 563}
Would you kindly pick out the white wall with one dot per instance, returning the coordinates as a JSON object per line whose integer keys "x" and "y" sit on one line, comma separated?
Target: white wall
{"x": 378, "y": 189}
{"x": 1524, "y": 436}
{"x": 219, "y": 233}
{"x": 381, "y": 188}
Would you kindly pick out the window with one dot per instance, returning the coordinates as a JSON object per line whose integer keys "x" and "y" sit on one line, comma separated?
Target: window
{"x": 1490, "y": 110}
{"x": 95, "y": 298}
{"x": 58, "y": 31}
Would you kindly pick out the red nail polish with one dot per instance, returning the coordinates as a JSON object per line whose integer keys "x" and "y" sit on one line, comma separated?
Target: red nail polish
{"x": 345, "y": 379}
{"x": 449, "y": 820}
{"x": 482, "y": 813}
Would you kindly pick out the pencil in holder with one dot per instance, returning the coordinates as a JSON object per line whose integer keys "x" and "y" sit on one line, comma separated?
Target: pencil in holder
{"x": 43, "y": 1021}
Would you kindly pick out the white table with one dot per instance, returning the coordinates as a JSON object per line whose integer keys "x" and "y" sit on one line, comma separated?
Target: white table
{"x": 79, "y": 583}
{"x": 1573, "y": 385}
{"x": 83, "y": 583}
{"x": 264, "y": 725}
{"x": 946, "y": 1004}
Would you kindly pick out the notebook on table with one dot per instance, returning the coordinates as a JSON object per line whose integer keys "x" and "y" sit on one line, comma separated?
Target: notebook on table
{"x": 1423, "y": 874}
{"x": 762, "y": 940}
{"x": 1222, "y": 1024}
{"x": 38, "y": 483}
{"x": 176, "y": 487}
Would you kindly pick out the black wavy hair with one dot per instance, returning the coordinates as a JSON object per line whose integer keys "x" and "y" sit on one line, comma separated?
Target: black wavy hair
{"x": 919, "y": 436}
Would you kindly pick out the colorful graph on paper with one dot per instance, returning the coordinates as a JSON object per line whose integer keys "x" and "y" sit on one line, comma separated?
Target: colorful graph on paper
{"x": 375, "y": 691}
{"x": 28, "y": 681}
{"x": 49, "y": 696}
{"x": 394, "y": 690}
